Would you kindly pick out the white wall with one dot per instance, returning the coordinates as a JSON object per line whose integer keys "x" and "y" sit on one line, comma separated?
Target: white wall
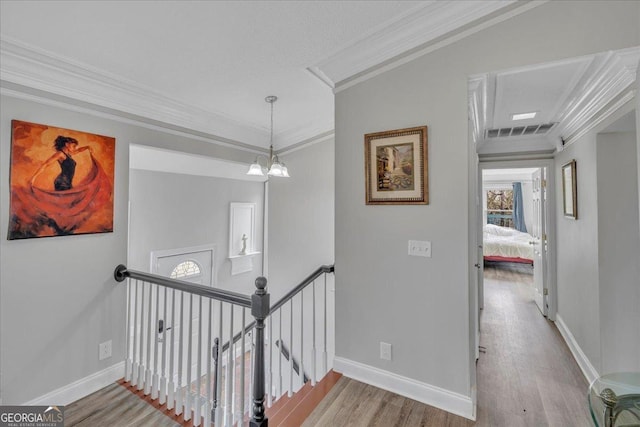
{"x": 58, "y": 299}
{"x": 171, "y": 211}
{"x": 301, "y": 217}
{"x": 421, "y": 305}
{"x": 618, "y": 248}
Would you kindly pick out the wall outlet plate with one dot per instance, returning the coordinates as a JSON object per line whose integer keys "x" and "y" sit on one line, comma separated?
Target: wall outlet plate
{"x": 385, "y": 351}
{"x": 420, "y": 248}
{"x": 104, "y": 350}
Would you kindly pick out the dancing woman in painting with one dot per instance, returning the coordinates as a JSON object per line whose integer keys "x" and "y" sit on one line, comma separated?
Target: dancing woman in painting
{"x": 66, "y": 147}
{"x": 69, "y": 192}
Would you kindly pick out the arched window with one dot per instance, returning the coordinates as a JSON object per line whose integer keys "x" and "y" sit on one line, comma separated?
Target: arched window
{"x": 185, "y": 270}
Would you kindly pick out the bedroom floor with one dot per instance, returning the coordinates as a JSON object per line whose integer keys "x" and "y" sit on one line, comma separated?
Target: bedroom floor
{"x": 527, "y": 376}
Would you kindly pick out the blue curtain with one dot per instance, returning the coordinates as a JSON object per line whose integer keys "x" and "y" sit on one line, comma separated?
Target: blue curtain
{"x": 518, "y": 211}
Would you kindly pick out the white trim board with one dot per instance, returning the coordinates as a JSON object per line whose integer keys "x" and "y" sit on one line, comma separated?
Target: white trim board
{"x": 585, "y": 365}
{"x": 81, "y": 388}
{"x": 446, "y": 400}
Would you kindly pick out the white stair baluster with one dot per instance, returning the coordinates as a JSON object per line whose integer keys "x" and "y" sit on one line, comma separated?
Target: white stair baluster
{"x": 242, "y": 362}
{"x": 180, "y": 391}
{"x": 270, "y": 372}
{"x": 171, "y": 386}
{"x": 197, "y": 403}
{"x": 207, "y": 404}
{"x": 163, "y": 377}
{"x": 324, "y": 343}
{"x": 228, "y": 398}
{"x": 150, "y": 330}
{"x": 188, "y": 403}
{"x": 313, "y": 333}
{"x": 136, "y": 358}
{"x": 290, "y": 391}
{"x": 142, "y": 329}
{"x": 280, "y": 392}
{"x": 155, "y": 384}
{"x": 219, "y": 407}
{"x": 301, "y": 338}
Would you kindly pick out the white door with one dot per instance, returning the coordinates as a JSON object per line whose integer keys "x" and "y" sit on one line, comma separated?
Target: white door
{"x": 193, "y": 265}
{"x": 539, "y": 242}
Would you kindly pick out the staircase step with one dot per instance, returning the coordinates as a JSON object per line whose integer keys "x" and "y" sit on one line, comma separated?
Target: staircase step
{"x": 302, "y": 404}
{"x": 289, "y": 405}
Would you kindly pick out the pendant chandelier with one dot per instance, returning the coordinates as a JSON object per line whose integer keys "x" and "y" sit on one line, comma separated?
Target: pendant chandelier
{"x": 273, "y": 167}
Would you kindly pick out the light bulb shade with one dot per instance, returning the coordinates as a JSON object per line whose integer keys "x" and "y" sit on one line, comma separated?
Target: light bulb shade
{"x": 275, "y": 170}
{"x": 255, "y": 169}
{"x": 285, "y": 171}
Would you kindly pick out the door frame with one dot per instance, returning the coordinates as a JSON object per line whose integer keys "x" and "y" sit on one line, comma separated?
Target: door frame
{"x": 550, "y": 212}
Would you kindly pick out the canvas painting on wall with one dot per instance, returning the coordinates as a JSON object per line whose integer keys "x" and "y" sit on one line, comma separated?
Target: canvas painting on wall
{"x": 396, "y": 167}
{"x": 61, "y": 182}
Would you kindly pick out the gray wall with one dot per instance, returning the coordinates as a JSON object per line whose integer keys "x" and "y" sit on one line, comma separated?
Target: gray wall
{"x": 577, "y": 249}
{"x": 619, "y": 246}
{"x": 421, "y": 305}
{"x": 301, "y": 217}
{"x": 58, "y": 300}
{"x": 171, "y": 211}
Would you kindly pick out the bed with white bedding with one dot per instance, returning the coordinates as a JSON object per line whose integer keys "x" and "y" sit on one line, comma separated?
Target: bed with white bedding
{"x": 507, "y": 245}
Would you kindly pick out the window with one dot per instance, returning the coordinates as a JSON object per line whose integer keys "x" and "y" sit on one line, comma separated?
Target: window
{"x": 500, "y": 208}
{"x": 185, "y": 269}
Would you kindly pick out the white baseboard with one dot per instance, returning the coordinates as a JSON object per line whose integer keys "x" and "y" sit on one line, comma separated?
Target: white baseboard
{"x": 431, "y": 395}
{"x": 81, "y": 388}
{"x": 585, "y": 365}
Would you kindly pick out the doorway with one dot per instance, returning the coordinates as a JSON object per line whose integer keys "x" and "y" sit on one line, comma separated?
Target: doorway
{"x": 515, "y": 227}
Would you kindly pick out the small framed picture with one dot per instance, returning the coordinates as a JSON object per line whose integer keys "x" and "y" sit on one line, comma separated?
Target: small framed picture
{"x": 570, "y": 190}
{"x": 396, "y": 167}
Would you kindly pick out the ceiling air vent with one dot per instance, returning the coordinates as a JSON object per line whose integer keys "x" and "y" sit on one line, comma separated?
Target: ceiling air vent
{"x": 519, "y": 131}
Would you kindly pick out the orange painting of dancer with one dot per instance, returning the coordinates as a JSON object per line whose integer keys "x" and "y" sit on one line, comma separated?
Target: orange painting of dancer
{"x": 61, "y": 181}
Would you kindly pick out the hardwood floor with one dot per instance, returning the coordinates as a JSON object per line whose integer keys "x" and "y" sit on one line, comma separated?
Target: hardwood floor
{"x": 352, "y": 403}
{"x": 114, "y": 406}
{"x": 527, "y": 377}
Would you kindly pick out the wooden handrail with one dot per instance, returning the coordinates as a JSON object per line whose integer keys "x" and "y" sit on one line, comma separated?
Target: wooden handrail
{"x": 282, "y": 301}
{"x": 122, "y": 272}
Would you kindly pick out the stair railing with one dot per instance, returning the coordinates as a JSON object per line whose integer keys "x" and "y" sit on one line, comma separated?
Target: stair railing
{"x": 287, "y": 322}
{"x": 165, "y": 368}
{"x": 153, "y": 368}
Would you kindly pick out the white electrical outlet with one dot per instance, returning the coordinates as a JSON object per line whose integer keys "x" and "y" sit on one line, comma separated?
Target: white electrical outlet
{"x": 104, "y": 350}
{"x": 385, "y": 351}
{"x": 420, "y": 248}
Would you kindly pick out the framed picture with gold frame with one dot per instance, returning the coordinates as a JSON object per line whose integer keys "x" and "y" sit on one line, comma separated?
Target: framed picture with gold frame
{"x": 570, "y": 190}
{"x": 396, "y": 168}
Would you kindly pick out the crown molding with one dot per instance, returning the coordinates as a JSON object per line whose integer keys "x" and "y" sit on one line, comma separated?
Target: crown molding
{"x": 28, "y": 66}
{"x": 477, "y": 106}
{"x": 419, "y": 25}
{"x": 325, "y": 136}
{"x": 506, "y": 11}
{"x": 606, "y": 85}
{"x": 27, "y": 94}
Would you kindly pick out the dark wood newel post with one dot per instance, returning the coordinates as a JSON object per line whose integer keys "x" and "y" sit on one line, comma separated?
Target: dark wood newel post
{"x": 259, "y": 310}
